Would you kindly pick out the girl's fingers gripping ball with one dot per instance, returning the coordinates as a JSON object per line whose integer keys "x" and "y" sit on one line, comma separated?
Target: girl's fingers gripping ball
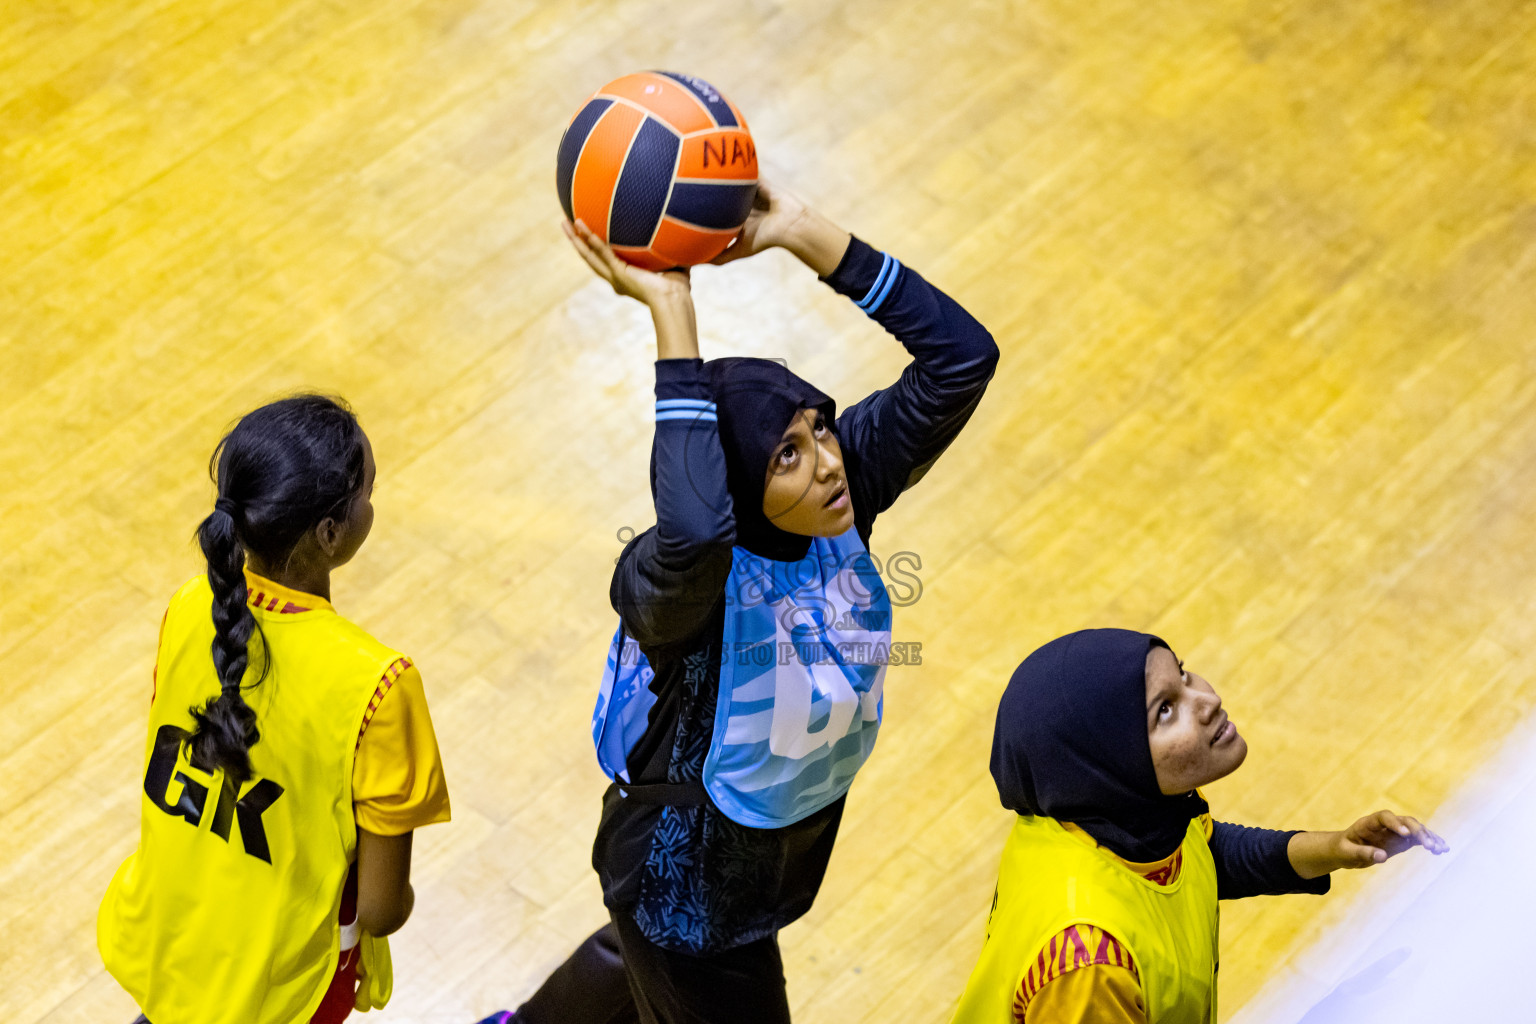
{"x": 616, "y": 269}
{"x": 585, "y": 250}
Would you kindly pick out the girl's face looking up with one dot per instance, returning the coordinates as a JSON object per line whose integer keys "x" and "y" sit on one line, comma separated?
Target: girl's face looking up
{"x": 1193, "y": 741}
{"x": 807, "y": 490}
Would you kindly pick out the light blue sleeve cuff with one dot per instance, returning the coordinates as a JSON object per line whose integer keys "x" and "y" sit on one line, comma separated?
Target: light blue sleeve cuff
{"x": 695, "y": 409}
{"x": 890, "y": 269}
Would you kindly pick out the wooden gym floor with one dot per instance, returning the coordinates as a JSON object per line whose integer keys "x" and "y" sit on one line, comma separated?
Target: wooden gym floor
{"x": 1261, "y": 275}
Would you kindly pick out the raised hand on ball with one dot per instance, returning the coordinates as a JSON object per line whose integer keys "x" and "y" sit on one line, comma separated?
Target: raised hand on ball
{"x": 776, "y": 213}
{"x": 647, "y": 286}
{"x": 779, "y": 218}
{"x": 667, "y": 292}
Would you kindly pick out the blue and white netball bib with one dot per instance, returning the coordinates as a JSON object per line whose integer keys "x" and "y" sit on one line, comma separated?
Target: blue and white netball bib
{"x": 802, "y": 668}
{"x": 624, "y": 703}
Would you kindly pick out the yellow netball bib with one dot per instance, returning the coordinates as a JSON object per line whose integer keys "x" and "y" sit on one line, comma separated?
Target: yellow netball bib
{"x": 227, "y": 912}
{"x": 1050, "y": 879}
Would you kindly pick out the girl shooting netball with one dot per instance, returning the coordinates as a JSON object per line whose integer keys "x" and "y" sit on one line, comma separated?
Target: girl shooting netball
{"x": 729, "y": 719}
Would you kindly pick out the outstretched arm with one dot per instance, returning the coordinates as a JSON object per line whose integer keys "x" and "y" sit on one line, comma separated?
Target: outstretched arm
{"x": 1368, "y": 842}
{"x": 1265, "y": 862}
{"x": 668, "y": 295}
{"x": 670, "y": 577}
{"x": 891, "y": 438}
{"x": 1253, "y": 862}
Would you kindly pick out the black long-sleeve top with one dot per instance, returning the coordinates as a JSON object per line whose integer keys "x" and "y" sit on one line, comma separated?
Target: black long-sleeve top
{"x": 1254, "y": 862}
{"x": 693, "y": 879}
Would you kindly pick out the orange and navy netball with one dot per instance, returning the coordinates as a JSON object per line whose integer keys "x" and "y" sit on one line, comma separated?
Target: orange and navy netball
{"x": 661, "y": 166}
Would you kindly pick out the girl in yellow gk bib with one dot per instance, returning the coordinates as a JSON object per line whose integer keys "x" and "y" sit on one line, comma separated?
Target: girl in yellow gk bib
{"x": 1105, "y": 909}
{"x": 289, "y": 754}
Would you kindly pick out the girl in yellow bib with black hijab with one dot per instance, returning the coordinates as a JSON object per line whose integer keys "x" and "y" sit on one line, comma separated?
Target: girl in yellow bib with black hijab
{"x": 1105, "y": 910}
{"x": 289, "y": 755}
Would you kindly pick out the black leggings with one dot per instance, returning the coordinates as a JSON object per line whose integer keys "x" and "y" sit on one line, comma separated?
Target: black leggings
{"x": 618, "y": 976}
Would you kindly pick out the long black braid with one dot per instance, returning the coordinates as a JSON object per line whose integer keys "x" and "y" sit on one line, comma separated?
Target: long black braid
{"x": 280, "y": 471}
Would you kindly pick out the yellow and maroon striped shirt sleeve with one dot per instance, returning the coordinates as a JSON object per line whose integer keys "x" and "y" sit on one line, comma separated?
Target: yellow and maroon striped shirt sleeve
{"x": 386, "y": 682}
{"x": 397, "y": 772}
{"x": 1083, "y": 974}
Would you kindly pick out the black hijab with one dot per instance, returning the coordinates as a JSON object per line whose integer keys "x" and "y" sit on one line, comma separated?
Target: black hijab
{"x": 1071, "y": 744}
{"x": 755, "y": 400}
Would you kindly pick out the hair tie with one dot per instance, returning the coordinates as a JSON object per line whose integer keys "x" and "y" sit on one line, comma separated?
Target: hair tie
{"x": 227, "y": 506}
